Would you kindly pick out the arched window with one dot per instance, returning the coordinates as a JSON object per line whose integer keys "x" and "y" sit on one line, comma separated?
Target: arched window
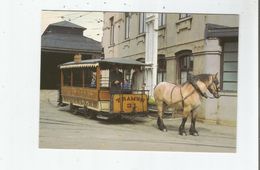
{"x": 185, "y": 65}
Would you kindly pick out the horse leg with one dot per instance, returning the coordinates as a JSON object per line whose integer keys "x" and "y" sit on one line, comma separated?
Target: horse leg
{"x": 184, "y": 119}
{"x": 160, "y": 123}
{"x": 193, "y": 130}
{"x": 182, "y": 127}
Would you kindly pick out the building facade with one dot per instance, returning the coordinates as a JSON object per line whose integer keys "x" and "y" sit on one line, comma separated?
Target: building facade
{"x": 186, "y": 44}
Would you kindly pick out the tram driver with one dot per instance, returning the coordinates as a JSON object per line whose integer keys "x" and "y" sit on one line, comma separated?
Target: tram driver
{"x": 116, "y": 79}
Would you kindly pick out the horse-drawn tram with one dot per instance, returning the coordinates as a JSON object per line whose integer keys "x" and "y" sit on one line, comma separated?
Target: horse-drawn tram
{"x": 103, "y": 86}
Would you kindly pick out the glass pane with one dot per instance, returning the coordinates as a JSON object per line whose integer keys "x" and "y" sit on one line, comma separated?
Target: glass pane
{"x": 141, "y": 22}
{"x": 164, "y": 77}
{"x": 159, "y": 19}
{"x": 87, "y": 78}
{"x": 230, "y": 66}
{"x": 230, "y": 76}
{"x": 230, "y": 86}
{"x": 159, "y": 77}
{"x": 183, "y": 15}
{"x": 184, "y": 62}
{"x": 230, "y": 56}
{"x": 183, "y": 77}
{"x": 77, "y": 78}
{"x": 93, "y": 82}
{"x": 127, "y": 22}
{"x": 144, "y": 22}
{"x": 164, "y": 19}
{"x": 191, "y": 63}
{"x": 231, "y": 46}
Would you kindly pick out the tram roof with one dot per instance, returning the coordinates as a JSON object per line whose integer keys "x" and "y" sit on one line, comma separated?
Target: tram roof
{"x": 104, "y": 63}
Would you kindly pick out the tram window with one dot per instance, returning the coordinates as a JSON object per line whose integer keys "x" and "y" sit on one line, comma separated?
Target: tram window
{"x": 89, "y": 78}
{"x": 67, "y": 77}
{"x": 77, "y": 78}
{"x": 93, "y": 82}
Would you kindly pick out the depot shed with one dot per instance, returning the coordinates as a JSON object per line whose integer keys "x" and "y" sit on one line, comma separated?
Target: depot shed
{"x": 59, "y": 43}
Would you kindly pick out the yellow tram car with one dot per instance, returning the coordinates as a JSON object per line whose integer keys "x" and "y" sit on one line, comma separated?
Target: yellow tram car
{"x": 87, "y": 84}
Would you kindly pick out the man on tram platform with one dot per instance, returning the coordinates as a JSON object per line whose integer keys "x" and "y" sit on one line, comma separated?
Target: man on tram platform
{"x": 116, "y": 79}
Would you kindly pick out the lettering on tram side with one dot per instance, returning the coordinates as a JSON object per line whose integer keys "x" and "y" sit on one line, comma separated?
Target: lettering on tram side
{"x": 130, "y": 98}
{"x": 129, "y": 103}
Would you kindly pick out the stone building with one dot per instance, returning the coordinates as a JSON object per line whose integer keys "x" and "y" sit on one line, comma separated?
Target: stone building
{"x": 59, "y": 43}
{"x": 186, "y": 43}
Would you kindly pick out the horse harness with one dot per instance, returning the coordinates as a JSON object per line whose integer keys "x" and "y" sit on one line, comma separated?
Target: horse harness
{"x": 196, "y": 88}
{"x": 194, "y": 84}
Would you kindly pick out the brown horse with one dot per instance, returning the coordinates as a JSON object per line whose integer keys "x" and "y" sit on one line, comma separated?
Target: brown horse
{"x": 186, "y": 97}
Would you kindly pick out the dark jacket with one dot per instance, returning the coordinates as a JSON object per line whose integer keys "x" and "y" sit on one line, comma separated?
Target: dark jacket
{"x": 113, "y": 76}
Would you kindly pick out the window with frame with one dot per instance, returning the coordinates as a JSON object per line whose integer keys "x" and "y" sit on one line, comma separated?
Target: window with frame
{"x": 161, "y": 19}
{"x": 142, "y": 23}
{"x": 229, "y": 66}
{"x": 112, "y": 30}
{"x": 127, "y": 25}
{"x": 90, "y": 78}
{"x": 161, "y": 70}
{"x": 185, "y": 15}
{"x": 185, "y": 65}
{"x": 87, "y": 77}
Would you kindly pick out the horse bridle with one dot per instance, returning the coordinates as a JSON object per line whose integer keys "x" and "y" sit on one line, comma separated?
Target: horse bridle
{"x": 215, "y": 82}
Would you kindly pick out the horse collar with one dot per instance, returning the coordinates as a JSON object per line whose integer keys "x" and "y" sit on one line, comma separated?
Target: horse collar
{"x": 196, "y": 87}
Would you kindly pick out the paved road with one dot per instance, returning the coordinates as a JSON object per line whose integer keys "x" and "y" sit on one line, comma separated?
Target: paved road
{"x": 61, "y": 129}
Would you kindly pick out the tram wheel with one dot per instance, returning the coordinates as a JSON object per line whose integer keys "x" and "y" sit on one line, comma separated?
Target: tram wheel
{"x": 116, "y": 117}
{"x": 73, "y": 109}
{"x": 89, "y": 113}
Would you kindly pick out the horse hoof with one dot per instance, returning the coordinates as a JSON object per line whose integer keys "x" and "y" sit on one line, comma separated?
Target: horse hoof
{"x": 163, "y": 129}
{"x": 183, "y": 133}
{"x": 194, "y": 133}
